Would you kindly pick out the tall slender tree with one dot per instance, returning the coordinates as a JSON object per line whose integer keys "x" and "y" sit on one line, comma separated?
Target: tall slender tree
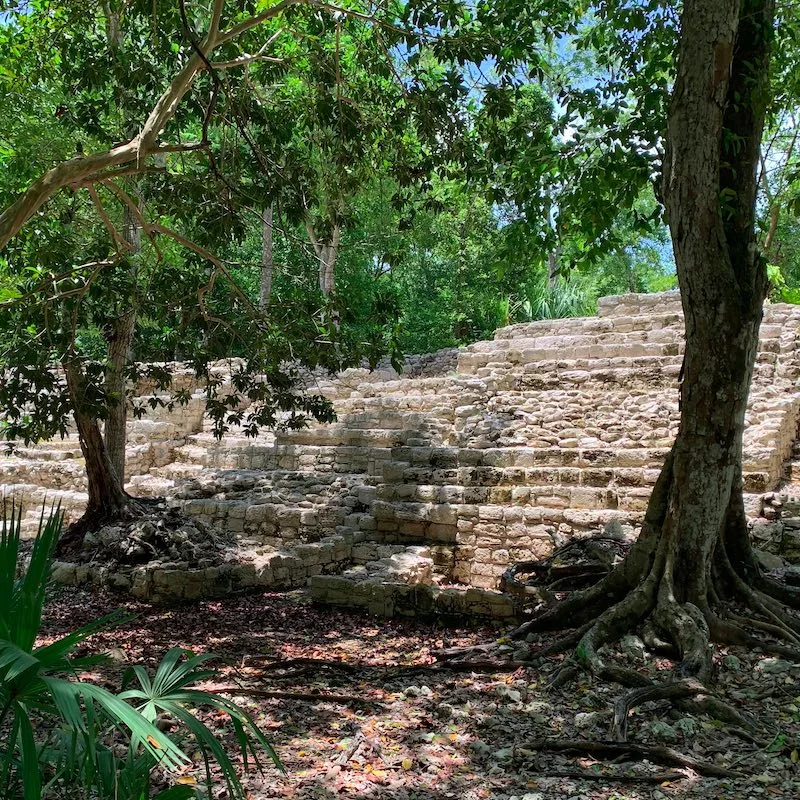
{"x": 694, "y": 551}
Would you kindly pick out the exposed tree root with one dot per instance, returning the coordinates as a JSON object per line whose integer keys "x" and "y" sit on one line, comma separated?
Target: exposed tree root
{"x": 71, "y": 540}
{"x": 686, "y": 690}
{"x": 778, "y": 631}
{"x": 613, "y": 623}
{"x": 659, "y": 755}
{"x": 594, "y": 558}
{"x": 305, "y": 697}
{"x": 459, "y": 658}
{"x": 624, "y": 676}
{"x": 579, "y": 608}
{"x": 562, "y": 643}
{"x": 467, "y": 666}
{"x": 565, "y": 674}
{"x": 445, "y": 654}
{"x": 758, "y": 600}
{"x": 743, "y": 726}
{"x": 788, "y": 595}
{"x": 681, "y": 608}
{"x": 616, "y": 776}
{"x": 269, "y": 663}
{"x": 688, "y": 627}
{"x": 724, "y": 632}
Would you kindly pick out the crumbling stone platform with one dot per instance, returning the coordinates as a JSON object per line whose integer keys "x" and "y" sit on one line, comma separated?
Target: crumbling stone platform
{"x": 432, "y": 483}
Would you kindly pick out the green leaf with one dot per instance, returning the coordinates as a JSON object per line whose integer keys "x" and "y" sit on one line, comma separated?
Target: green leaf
{"x": 29, "y": 755}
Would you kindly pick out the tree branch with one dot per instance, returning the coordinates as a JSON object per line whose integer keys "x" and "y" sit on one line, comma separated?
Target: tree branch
{"x": 145, "y": 143}
{"x": 244, "y": 61}
{"x": 126, "y": 200}
{"x": 313, "y": 239}
{"x": 181, "y": 148}
{"x": 255, "y": 21}
{"x": 54, "y": 280}
{"x": 67, "y": 172}
{"x": 246, "y": 58}
{"x": 116, "y": 236}
{"x": 208, "y": 256}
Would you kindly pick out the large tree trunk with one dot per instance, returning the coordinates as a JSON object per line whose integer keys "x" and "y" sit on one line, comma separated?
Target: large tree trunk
{"x": 107, "y": 498}
{"x": 120, "y": 342}
{"x": 681, "y": 566}
{"x": 694, "y": 548}
{"x": 711, "y": 210}
{"x": 115, "y": 432}
{"x": 326, "y": 252}
{"x": 267, "y": 264}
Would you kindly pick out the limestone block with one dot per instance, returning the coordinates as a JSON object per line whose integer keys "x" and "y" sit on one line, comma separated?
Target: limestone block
{"x": 587, "y": 498}
{"x": 63, "y": 573}
{"x": 490, "y": 513}
{"x": 410, "y": 528}
{"x": 443, "y": 513}
{"x": 383, "y": 511}
{"x": 499, "y": 495}
{"x": 425, "y": 494}
{"x": 500, "y": 557}
{"x": 476, "y": 495}
{"x": 520, "y": 495}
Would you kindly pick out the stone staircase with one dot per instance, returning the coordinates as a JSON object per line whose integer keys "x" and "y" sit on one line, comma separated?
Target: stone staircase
{"x": 428, "y": 486}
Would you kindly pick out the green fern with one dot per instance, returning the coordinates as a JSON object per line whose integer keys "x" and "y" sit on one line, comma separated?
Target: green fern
{"x": 39, "y": 692}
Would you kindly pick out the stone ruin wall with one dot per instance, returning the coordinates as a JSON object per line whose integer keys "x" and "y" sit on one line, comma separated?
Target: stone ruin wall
{"x": 431, "y": 483}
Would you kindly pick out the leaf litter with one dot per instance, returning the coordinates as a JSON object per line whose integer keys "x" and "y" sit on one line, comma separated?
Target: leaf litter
{"x": 360, "y": 708}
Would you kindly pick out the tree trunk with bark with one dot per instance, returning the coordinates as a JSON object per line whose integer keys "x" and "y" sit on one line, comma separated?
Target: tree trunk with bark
{"x": 267, "y": 265}
{"x": 326, "y": 252}
{"x": 553, "y": 267}
{"x": 120, "y": 343}
{"x": 106, "y": 497}
{"x": 115, "y": 433}
{"x": 694, "y": 550}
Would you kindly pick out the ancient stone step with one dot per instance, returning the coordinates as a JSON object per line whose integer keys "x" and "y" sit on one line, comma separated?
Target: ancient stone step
{"x": 591, "y": 364}
{"x": 242, "y": 570}
{"x": 590, "y": 457}
{"x": 337, "y": 434}
{"x": 304, "y": 458}
{"x": 175, "y": 472}
{"x": 620, "y": 343}
{"x": 36, "y": 499}
{"x": 42, "y": 453}
{"x": 151, "y": 485}
{"x": 379, "y": 596}
{"x": 552, "y": 429}
{"x": 55, "y": 473}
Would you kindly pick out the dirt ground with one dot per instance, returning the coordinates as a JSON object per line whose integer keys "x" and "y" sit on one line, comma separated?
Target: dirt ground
{"x": 393, "y": 724}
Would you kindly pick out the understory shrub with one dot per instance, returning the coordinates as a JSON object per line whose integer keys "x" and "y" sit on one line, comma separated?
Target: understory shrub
{"x": 61, "y": 737}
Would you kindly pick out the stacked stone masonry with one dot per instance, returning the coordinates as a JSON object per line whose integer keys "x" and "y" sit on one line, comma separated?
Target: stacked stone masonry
{"x": 431, "y": 483}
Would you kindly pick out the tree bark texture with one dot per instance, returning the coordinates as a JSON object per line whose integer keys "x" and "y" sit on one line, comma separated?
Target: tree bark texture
{"x": 120, "y": 342}
{"x": 716, "y": 119}
{"x": 326, "y": 252}
{"x": 267, "y": 264}
{"x": 694, "y": 547}
{"x": 553, "y": 267}
{"x": 106, "y": 495}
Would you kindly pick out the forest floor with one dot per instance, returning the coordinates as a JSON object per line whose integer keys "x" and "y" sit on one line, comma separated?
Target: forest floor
{"x": 396, "y": 725}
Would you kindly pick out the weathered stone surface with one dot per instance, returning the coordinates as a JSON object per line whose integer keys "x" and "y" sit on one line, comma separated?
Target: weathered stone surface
{"x": 469, "y": 461}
